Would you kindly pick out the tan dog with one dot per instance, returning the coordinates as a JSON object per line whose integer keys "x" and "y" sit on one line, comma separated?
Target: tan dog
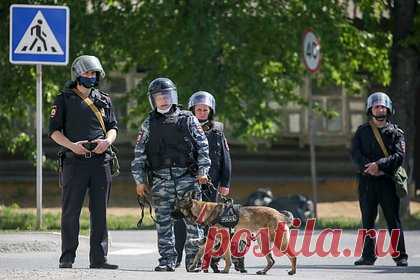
{"x": 252, "y": 218}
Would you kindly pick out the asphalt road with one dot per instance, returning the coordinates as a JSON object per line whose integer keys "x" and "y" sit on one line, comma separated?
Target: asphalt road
{"x": 33, "y": 255}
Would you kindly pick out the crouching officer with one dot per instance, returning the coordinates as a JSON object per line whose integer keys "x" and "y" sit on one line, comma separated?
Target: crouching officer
{"x": 376, "y": 169}
{"x": 173, "y": 147}
{"x": 82, "y": 121}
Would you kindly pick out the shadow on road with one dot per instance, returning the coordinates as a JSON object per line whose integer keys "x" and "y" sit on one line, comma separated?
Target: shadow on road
{"x": 373, "y": 269}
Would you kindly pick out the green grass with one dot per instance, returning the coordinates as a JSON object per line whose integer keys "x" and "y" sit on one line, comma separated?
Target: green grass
{"x": 14, "y": 218}
{"x": 342, "y": 223}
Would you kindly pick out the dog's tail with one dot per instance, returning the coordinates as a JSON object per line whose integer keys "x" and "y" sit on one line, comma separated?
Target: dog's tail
{"x": 289, "y": 216}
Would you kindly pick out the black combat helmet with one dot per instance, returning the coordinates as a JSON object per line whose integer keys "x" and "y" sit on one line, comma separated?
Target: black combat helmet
{"x": 162, "y": 86}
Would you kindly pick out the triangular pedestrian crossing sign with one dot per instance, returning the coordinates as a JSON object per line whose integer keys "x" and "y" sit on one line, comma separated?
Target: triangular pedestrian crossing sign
{"x": 38, "y": 38}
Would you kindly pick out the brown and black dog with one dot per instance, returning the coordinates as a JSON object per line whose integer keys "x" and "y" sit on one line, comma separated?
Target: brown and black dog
{"x": 252, "y": 218}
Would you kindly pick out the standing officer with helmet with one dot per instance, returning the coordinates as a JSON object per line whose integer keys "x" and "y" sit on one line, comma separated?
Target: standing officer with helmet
{"x": 376, "y": 185}
{"x": 203, "y": 106}
{"x": 84, "y": 161}
{"x": 173, "y": 149}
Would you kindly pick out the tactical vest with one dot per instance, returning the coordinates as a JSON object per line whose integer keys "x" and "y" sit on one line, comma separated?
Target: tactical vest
{"x": 170, "y": 143}
{"x": 215, "y": 139}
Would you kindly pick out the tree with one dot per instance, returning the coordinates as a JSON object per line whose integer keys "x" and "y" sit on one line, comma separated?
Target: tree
{"x": 247, "y": 53}
{"x": 405, "y": 64}
{"x": 400, "y": 19}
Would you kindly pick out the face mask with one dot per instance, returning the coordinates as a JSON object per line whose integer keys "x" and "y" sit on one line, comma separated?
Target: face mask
{"x": 87, "y": 82}
{"x": 164, "y": 111}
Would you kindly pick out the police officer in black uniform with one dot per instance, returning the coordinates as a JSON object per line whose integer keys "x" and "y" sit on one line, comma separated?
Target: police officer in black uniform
{"x": 85, "y": 159}
{"x": 203, "y": 105}
{"x": 375, "y": 174}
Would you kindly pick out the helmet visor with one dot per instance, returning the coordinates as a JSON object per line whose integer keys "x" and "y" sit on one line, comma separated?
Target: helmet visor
{"x": 163, "y": 99}
{"x": 202, "y": 98}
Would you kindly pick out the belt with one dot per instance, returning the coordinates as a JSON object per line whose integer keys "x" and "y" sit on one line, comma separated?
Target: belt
{"x": 88, "y": 155}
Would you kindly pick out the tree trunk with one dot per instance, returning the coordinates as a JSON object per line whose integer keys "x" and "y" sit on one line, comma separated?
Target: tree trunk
{"x": 416, "y": 169}
{"x": 404, "y": 64}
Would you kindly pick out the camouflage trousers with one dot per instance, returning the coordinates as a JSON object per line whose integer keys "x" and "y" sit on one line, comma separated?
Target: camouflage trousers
{"x": 166, "y": 189}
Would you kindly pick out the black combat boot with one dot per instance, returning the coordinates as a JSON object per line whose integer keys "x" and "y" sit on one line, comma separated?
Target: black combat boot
{"x": 239, "y": 264}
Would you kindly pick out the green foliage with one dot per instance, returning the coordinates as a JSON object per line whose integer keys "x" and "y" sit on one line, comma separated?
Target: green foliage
{"x": 10, "y": 218}
{"x": 247, "y": 53}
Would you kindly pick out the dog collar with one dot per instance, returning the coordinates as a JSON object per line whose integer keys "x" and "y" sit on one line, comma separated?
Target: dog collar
{"x": 200, "y": 218}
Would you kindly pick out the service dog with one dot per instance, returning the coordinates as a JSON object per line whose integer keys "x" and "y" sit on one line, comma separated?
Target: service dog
{"x": 252, "y": 218}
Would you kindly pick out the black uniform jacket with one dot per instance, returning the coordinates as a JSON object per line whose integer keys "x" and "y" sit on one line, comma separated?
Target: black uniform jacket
{"x": 76, "y": 120}
{"x": 220, "y": 170}
{"x": 366, "y": 149}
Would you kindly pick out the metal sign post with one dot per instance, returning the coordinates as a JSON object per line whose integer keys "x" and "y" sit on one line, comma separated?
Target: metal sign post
{"x": 39, "y": 35}
{"x": 39, "y": 146}
{"x": 312, "y": 61}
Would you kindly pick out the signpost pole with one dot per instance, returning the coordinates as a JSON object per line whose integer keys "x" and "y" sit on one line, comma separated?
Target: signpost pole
{"x": 312, "y": 145}
{"x": 38, "y": 146}
{"x": 312, "y": 60}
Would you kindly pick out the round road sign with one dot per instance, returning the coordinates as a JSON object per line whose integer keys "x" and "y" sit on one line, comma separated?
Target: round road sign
{"x": 311, "y": 51}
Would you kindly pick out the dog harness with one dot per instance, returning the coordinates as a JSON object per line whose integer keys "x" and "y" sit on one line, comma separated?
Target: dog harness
{"x": 229, "y": 217}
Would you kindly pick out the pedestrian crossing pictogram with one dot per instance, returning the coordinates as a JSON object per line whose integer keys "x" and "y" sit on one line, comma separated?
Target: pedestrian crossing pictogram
{"x": 38, "y": 38}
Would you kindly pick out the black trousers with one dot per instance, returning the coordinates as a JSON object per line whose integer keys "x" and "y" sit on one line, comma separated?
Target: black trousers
{"x": 374, "y": 191}
{"x": 80, "y": 176}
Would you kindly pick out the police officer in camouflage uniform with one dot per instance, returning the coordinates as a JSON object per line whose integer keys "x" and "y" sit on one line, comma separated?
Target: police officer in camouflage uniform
{"x": 173, "y": 148}
{"x": 375, "y": 171}
{"x": 85, "y": 158}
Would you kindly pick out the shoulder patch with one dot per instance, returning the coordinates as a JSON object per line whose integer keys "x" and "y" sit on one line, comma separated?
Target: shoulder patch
{"x": 53, "y": 111}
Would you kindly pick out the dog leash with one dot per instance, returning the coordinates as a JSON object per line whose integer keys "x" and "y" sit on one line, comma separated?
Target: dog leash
{"x": 142, "y": 201}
